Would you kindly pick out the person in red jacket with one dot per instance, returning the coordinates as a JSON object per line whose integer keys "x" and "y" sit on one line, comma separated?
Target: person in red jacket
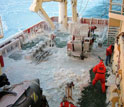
{"x": 109, "y": 52}
{"x": 91, "y": 29}
{"x": 65, "y": 103}
{"x": 99, "y": 71}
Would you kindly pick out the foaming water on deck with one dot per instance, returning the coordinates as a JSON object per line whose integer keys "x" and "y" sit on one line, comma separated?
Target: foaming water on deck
{"x": 53, "y": 73}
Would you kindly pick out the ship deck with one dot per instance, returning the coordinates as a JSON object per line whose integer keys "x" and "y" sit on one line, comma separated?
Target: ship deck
{"x": 54, "y": 72}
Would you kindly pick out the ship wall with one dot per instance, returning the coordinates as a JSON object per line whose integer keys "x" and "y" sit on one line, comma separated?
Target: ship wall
{"x": 116, "y": 19}
{"x": 114, "y": 22}
{"x": 122, "y": 27}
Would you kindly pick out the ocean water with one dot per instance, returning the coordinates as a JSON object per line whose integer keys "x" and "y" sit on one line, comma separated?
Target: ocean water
{"x": 16, "y": 15}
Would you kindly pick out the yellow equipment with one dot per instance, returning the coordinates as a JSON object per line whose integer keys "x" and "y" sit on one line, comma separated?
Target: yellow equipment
{"x": 37, "y": 7}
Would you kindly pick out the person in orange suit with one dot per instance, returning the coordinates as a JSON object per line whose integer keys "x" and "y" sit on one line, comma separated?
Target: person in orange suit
{"x": 109, "y": 52}
{"x": 99, "y": 71}
{"x": 65, "y": 103}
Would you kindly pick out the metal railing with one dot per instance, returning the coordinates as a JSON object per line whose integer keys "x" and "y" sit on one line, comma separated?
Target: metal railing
{"x": 116, "y": 10}
{"x": 15, "y": 41}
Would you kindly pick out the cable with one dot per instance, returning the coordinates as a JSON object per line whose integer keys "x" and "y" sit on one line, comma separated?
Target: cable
{"x": 105, "y": 12}
{"x": 84, "y": 8}
{"x": 81, "y": 6}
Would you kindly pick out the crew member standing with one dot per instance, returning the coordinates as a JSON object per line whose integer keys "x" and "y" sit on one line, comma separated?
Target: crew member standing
{"x": 109, "y": 51}
{"x": 99, "y": 71}
{"x": 91, "y": 29}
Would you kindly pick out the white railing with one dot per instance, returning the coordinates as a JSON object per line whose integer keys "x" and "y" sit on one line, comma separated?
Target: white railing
{"x": 94, "y": 21}
{"x": 15, "y": 41}
{"x": 14, "y": 44}
{"x": 121, "y": 5}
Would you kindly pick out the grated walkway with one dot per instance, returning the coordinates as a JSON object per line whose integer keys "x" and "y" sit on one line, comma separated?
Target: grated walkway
{"x": 92, "y": 96}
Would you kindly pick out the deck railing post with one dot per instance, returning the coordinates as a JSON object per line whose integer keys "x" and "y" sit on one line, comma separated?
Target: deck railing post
{"x": 110, "y": 7}
{"x": 122, "y": 7}
{"x": 104, "y": 22}
{"x": 19, "y": 44}
{"x": 5, "y": 52}
{"x": 97, "y": 21}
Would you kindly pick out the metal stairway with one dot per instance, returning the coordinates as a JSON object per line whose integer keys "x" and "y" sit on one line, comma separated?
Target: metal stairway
{"x": 112, "y": 33}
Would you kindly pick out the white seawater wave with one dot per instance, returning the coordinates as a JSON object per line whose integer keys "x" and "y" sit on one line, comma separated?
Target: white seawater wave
{"x": 16, "y": 14}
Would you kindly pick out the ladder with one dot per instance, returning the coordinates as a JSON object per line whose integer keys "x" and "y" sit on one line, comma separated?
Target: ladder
{"x": 112, "y": 33}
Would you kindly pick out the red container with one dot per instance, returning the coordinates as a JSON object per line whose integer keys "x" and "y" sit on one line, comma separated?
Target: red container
{"x": 1, "y": 61}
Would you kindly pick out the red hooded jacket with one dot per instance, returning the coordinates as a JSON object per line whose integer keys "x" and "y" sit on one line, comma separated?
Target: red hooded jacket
{"x": 109, "y": 50}
{"x": 100, "y": 68}
{"x": 66, "y": 104}
{"x": 99, "y": 71}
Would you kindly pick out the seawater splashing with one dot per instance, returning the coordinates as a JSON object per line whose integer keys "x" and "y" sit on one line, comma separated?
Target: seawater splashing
{"x": 16, "y": 15}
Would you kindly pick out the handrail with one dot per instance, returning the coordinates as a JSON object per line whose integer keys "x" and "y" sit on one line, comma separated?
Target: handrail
{"x": 117, "y": 4}
{"x": 115, "y": 11}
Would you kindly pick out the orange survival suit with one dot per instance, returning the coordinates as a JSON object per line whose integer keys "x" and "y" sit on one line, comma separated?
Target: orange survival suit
{"x": 99, "y": 71}
{"x": 66, "y": 104}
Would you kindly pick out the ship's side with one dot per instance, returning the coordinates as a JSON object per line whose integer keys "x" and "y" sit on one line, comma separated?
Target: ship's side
{"x": 116, "y": 37}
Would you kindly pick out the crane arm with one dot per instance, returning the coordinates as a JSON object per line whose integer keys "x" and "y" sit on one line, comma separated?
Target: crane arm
{"x": 37, "y": 7}
{"x": 74, "y": 10}
{"x": 47, "y": 18}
